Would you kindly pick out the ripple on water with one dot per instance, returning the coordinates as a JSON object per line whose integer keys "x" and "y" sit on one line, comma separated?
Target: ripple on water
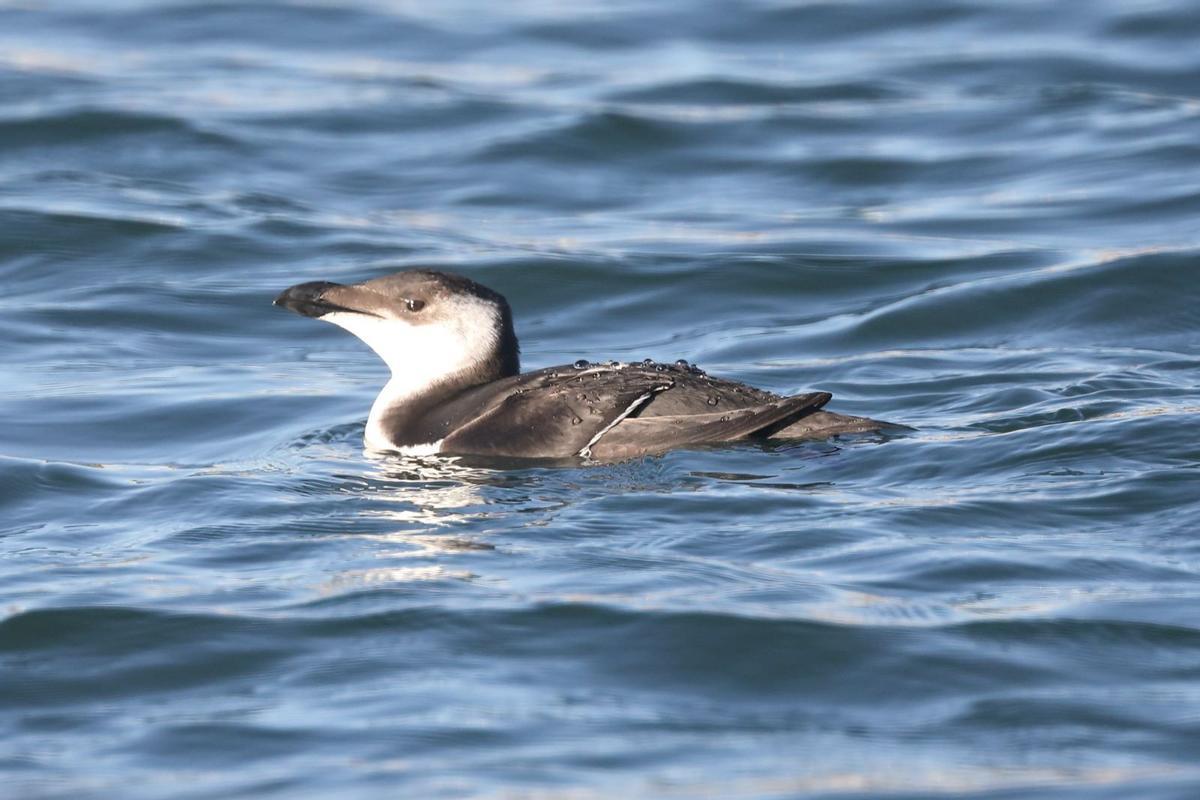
{"x": 922, "y": 207}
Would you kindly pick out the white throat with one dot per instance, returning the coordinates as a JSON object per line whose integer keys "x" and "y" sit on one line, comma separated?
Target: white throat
{"x": 420, "y": 356}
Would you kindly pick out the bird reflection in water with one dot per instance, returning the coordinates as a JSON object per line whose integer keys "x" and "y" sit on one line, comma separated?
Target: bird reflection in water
{"x": 436, "y": 516}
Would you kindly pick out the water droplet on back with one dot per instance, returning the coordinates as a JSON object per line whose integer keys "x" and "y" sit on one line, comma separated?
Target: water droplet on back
{"x": 647, "y": 361}
{"x": 682, "y": 363}
{"x": 576, "y": 420}
{"x": 712, "y": 401}
{"x": 582, "y": 363}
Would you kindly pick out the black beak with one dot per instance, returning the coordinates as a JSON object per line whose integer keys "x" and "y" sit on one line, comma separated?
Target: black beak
{"x": 306, "y": 299}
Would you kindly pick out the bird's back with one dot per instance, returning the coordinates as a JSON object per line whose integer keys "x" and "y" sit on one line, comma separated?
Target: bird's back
{"x": 607, "y": 411}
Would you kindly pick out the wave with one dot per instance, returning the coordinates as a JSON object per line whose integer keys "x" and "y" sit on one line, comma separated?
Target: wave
{"x": 80, "y": 125}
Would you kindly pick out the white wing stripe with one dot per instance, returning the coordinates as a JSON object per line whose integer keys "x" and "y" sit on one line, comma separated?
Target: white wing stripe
{"x": 586, "y": 451}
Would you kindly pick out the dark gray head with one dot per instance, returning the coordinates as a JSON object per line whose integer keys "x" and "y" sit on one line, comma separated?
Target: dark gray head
{"x": 428, "y": 326}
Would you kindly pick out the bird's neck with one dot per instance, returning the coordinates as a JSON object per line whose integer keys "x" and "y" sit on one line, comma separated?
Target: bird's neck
{"x": 402, "y": 415}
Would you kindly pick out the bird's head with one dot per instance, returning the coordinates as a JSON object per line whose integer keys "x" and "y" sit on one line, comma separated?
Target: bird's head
{"x": 427, "y": 326}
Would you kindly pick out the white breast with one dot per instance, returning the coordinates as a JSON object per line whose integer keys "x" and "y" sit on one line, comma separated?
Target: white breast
{"x": 430, "y": 449}
{"x": 419, "y": 356}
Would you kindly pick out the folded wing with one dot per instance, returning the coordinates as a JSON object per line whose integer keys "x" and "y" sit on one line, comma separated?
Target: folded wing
{"x": 649, "y": 435}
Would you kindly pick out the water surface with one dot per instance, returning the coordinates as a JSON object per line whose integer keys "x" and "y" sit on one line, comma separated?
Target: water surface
{"x": 976, "y": 218}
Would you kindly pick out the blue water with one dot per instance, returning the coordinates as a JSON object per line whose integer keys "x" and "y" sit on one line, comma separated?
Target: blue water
{"x": 978, "y": 218}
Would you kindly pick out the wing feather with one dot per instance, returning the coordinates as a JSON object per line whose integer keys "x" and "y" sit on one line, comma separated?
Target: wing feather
{"x": 556, "y": 418}
{"x": 647, "y": 435}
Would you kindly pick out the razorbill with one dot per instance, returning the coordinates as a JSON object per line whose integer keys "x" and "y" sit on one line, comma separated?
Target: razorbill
{"x": 457, "y": 389}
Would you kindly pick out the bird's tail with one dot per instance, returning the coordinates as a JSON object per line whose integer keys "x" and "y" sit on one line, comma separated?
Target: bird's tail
{"x": 822, "y": 424}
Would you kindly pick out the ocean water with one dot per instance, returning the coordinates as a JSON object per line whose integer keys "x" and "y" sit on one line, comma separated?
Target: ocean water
{"x": 977, "y": 218}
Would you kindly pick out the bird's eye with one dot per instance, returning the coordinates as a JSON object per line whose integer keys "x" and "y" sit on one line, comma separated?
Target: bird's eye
{"x": 414, "y": 305}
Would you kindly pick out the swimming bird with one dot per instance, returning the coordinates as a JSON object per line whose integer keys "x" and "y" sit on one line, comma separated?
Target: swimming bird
{"x": 457, "y": 389}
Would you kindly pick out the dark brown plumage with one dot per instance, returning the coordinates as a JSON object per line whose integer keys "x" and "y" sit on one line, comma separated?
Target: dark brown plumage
{"x": 455, "y": 387}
